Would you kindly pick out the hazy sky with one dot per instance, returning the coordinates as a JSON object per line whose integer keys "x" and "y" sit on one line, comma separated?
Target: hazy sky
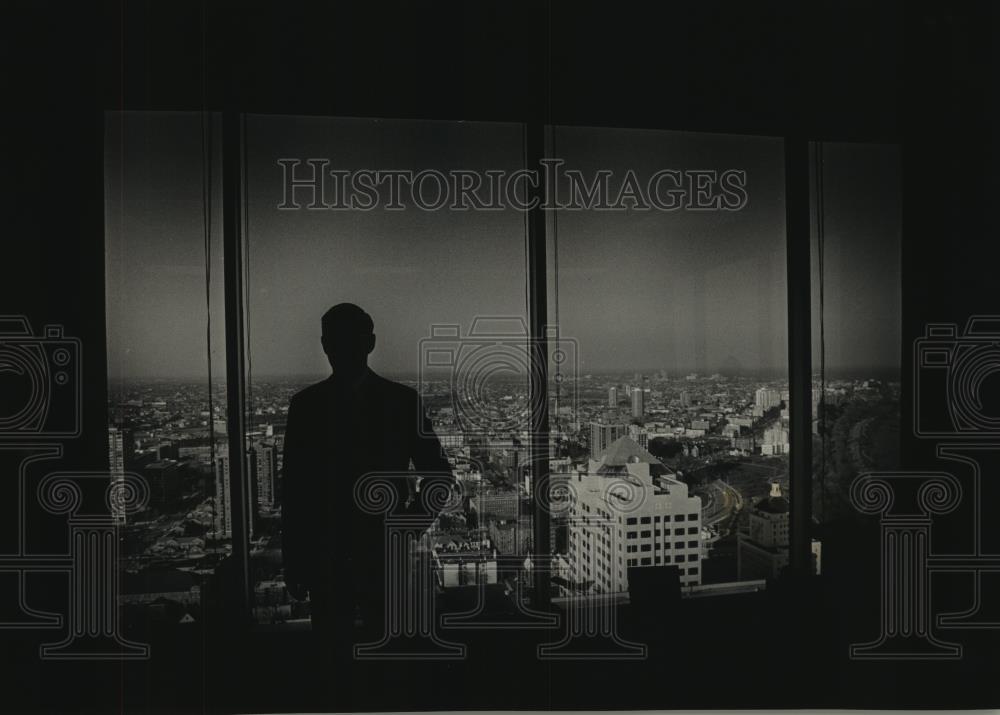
{"x": 636, "y": 290}
{"x": 861, "y": 258}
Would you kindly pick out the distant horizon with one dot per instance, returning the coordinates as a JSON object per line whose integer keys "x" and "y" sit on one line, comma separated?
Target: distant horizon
{"x": 857, "y": 372}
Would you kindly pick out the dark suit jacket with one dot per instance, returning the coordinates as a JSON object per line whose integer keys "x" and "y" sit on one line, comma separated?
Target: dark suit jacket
{"x": 333, "y": 438}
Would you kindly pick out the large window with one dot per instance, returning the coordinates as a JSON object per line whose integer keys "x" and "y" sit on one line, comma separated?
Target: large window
{"x": 443, "y": 276}
{"x": 856, "y": 321}
{"x": 667, "y": 267}
{"x": 667, "y": 357}
{"x": 166, "y": 356}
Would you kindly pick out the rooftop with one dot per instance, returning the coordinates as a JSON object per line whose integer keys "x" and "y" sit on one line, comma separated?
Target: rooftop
{"x": 625, "y": 450}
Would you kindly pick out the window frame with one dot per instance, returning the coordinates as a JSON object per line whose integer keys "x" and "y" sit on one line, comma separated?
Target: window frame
{"x": 799, "y": 331}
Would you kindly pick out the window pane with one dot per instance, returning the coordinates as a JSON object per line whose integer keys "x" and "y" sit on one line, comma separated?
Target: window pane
{"x": 856, "y": 319}
{"x": 445, "y": 288}
{"x": 166, "y": 356}
{"x": 669, "y": 271}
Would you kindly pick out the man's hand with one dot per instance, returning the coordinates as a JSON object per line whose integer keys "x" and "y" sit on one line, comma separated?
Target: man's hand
{"x": 298, "y": 591}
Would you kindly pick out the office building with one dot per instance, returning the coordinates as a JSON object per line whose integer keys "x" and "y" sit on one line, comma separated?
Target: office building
{"x": 639, "y": 434}
{"x": 266, "y": 472}
{"x": 602, "y": 435}
{"x": 630, "y": 511}
{"x": 499, "y": 505}
{"x": 762, "y": 551}
{"x": 223, "y": 496}
{"x": 765, "y": 398}
{"x": 775, "y": 441}
{"x": 121, "y": 453}
{"x": 165, "y": 485}
{"x": 638, "y": 408}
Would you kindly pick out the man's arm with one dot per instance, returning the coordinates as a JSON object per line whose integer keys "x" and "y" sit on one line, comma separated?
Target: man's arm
{"x": 429, "y": 459}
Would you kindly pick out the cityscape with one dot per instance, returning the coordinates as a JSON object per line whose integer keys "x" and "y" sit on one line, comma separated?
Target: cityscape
{"x": 710, "y": 453}
{"x": 681, "y": 395}
{"x": 449, "y": 356}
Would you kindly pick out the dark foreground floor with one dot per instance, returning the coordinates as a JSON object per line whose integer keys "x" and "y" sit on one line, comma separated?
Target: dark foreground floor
{"x": 786, "y": 647}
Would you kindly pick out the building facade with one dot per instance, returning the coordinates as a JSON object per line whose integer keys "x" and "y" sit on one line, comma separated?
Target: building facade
{"x": 638, "y": 403}
{"x": 602, "y": 435}
{"x": 223, "y": 496}
{"x": 766, "y": 397}
{"x": 762, "y": 551}
{"x": 266, "y": 471}
{"x": 629, "y": 511}
{"x": 121, "y": 452}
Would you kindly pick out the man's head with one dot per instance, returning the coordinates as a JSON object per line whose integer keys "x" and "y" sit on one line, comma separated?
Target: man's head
{"x": 348, "y": 338}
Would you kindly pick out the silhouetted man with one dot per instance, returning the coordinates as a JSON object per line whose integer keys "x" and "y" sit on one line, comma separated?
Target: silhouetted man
{"x": 352, "y": 424}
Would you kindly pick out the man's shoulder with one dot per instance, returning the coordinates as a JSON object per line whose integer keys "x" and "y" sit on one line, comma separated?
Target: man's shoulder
{"x": 392, "y": 390}
{"x": 311, "y": 394}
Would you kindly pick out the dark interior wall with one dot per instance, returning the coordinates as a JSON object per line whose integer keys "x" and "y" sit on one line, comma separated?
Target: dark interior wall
{"x": 757, "y": 67}
{"x": 53, "y": 200}
{"x": 950, "y": 182}
{"x": 918, "y": 72}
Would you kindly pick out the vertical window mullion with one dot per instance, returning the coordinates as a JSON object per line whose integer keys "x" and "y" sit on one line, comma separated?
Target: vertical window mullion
{"x": 797, "y": 231}
{"x": 232, "y": 213}
{"x": 538, "y": 384}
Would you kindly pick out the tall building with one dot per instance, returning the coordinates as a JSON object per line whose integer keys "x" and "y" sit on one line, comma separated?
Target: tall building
{"x": 766, "y": 397}
{"x": 512, "y": 537}
{"x": 612, "y": 397}
{"x": 121, "y": 449}
{"x": 223, "y": 496}
{"x": 629, "y": 511}
{"x": 168, "y": 450}
{"x": 165, "y": 486}
{"x": 775, "y": 441}
{"x": 640, "y": 435}
{"x": 602, "y": 435}
{"x": 121, "y": 452}
{"x": 266, "y": 472}
{"x": 223, "y": 505}
{"x": 685, "y": 398}
{"x": 503, "y": 506}
{"x": 638, "y": 408}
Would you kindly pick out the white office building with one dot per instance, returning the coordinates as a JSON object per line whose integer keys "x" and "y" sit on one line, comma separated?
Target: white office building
{"x": 629, "y": 510}
{"x": 767, "y": 397}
